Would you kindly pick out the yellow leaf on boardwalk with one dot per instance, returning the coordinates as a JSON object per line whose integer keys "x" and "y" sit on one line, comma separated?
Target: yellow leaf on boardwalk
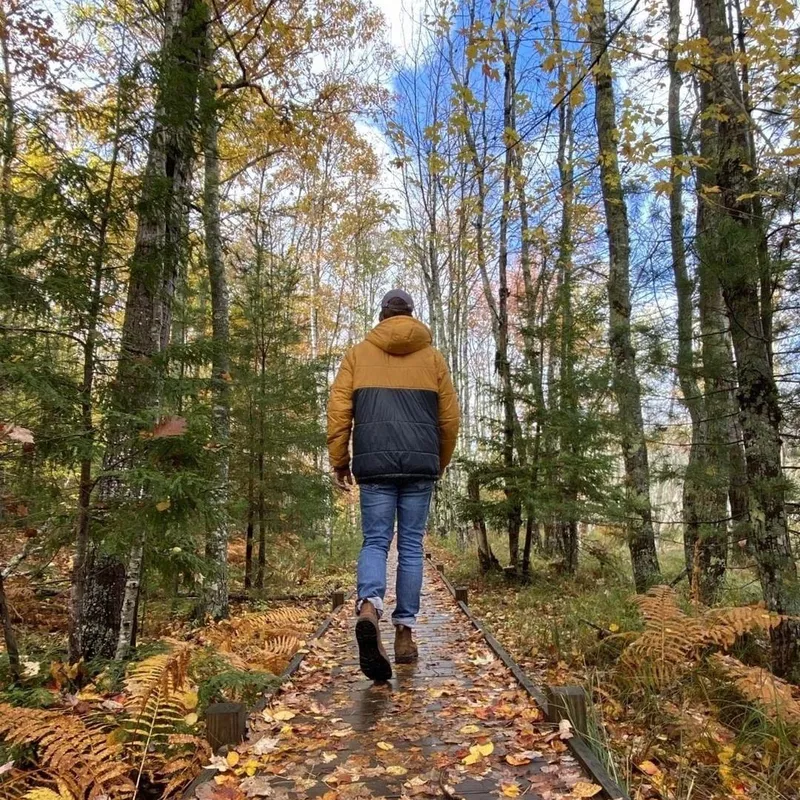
{"x": 250, "y": 768}
{"x": 583, "y": 789}
{"x": 385, "y": 746}
{"x": 510, "y": 790}
{"x": 468, "y": 729}
{"x": 283, "y": 715}
{"x": 477, "y": 752}
{"x": 232, "y": 758}
{"x": 396, "y": 769}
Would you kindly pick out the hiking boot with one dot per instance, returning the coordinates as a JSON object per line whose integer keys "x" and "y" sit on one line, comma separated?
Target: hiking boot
{"x": 372, "y": 657}
{"x": 405, "y": 649}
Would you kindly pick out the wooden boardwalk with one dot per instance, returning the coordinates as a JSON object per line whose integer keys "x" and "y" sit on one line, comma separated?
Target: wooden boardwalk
{"x": 457, "y": 724}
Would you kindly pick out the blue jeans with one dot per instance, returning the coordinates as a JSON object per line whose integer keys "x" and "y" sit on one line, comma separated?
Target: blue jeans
{"x": 380, "y": 504}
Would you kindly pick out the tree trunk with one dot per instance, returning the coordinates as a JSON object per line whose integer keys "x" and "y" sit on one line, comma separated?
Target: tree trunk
{"x": 641, "y": 539}
{"x": 215, "y": 586}
{"x": 486, "y": 558}
{"x": 12, "y": 650}
{"x": 160, "y": 235}
{"x": 502, "y": 360}
{"x": 729, "y": 247}
{"x": 9, "y": 145}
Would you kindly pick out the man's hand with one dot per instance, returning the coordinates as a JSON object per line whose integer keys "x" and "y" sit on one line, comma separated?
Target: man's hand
{"x": 343, "y": 478}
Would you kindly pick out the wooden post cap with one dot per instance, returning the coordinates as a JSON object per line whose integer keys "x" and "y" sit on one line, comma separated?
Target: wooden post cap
{"x": 429, "y": 556}
{"x": 226, "y": 724}
{"x": 440, "y": 569}
{"x": 569, "y": 702}
{"x": 462, "y": 595}
{"x": 337, "y": 600}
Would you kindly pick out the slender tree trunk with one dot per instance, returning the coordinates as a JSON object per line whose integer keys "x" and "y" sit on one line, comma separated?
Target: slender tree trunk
{"x": 10, "y": 639}
{"x": 641, "y": 539}
{"x": 86, "y": 481}
{"x": 502, "y": 360}
{"x": 729, "y": 246}
{"x": 486, "y": 558}
{"x": 215, "y": 586}
{"x": 9, "y": 145}
{"x": 251, "y": 512}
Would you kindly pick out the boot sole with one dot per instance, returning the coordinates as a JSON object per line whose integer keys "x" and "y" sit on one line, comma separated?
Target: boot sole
{"x": 372, "y": 662}
{"x": 406, "y": 659}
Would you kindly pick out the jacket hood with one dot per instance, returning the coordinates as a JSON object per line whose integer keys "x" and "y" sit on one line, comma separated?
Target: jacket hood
{"x": 400, "y": 336}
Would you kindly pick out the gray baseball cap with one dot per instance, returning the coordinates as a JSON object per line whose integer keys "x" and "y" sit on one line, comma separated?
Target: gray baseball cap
{"x": 397, "y": 297}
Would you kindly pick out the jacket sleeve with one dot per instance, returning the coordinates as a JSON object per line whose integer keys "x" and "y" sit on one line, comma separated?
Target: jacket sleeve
{"x": 449, "y": 416}
{"x": 340, "y": 414}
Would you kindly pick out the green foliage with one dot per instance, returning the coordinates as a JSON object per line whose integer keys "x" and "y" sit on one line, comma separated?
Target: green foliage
{"x": 235, "y": 686}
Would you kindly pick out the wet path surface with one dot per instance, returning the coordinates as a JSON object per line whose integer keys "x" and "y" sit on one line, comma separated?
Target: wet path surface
{"x": 456, "y": 724}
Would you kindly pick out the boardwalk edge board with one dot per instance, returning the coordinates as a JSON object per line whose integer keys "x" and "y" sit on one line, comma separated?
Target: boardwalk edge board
{"x": 208, "y": 774}
{"x": 579, "y": 748}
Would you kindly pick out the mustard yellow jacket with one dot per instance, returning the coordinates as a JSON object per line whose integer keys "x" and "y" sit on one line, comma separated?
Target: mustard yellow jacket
{"x": 394, "y": 391}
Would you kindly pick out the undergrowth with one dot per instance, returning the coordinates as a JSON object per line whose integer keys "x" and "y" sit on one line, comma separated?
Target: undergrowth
{"x": 682, "y": 703}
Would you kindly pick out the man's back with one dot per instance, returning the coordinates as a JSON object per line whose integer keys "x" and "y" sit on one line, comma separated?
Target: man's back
{"x": 396, "y": 389}
{"x": 394, "y": 392}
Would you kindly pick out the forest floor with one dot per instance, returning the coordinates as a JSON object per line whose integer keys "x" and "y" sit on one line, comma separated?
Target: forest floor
{"x": 456, "y": 724}
{"x": 694, "y": 739}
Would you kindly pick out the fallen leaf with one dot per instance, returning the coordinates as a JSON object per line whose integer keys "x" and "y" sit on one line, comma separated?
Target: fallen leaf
{"x": 517, "y": 759}
{"x": 564, "y": 729}
{"x": 283, "y": 715}
{"x": 385, "y": 746}
{"x": 327, "y": 757}
{"x": 396, "y": 769}
{"x": 232, "y": 758}
{"x": 583, "y": 789}
{"x": 191, "y": 719}
{"x": 163, "y": 505}
{"x": 649, "y": 768}
{"x": 469, "y": 729}
{"x": 256, "y": 787}
{"x": 510, "y": 790}
{"x": 264, "y": 745}
{"x": 485, "y": 749}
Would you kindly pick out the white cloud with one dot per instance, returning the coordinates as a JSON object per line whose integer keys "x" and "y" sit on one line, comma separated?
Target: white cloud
{"x": 402, "y": 23}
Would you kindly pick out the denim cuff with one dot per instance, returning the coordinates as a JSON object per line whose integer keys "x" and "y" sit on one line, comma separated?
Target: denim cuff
{"x": 408, "y": 622}
{"x": 377, "y": 603}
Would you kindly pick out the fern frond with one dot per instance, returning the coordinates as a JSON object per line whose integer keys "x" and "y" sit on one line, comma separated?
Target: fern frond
{"x": 777, "y": 698}
{"x": 287, "y": 616}
{"x": 723, "y": 626}
{"x": 163, "y": 674}
{"x": 80, "y": 758}
{"x": 670, "y": 640}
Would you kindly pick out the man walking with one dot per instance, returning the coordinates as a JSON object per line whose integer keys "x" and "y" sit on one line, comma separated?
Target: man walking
{"x": 394, "y": 392}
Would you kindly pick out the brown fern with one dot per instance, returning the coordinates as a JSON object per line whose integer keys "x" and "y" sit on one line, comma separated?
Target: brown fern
{"x": 670, "y": 639}
{"x": 723, "y": 626}
{"x": 86, "y": 762}
{"x": 777, "y": 698}
{"x": 673, "y": 640}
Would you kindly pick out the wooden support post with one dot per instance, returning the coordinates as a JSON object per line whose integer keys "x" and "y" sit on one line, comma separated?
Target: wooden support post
{"x": 429, "y": 556}
{"x": 226, "y": 724}
{"x": 569, "y": 702}
{"x": 462, "y": 595}
{"x": 440, "y": 569}
{"x": 337, "y": 600}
